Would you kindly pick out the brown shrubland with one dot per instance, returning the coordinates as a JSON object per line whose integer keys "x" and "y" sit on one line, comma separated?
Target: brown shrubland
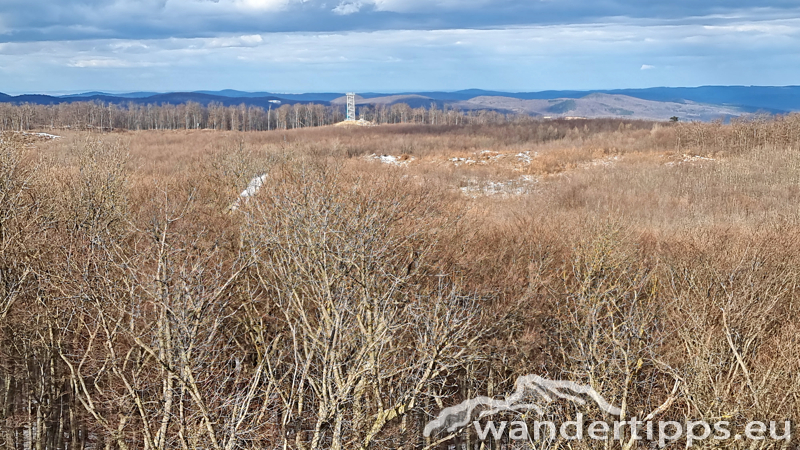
{"x": 348, "y": 301}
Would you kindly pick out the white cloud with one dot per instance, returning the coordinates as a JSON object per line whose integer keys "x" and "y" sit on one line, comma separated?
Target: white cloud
{"x": 263, "y": 5}
{"x": 106, "y": 63}
{"x": 346, "y": 8}
{"x": 128, "y": 46}
{"x": 416, "y": 6}
{"x": 236, "y": 41}
{"x": 384, "y": 60}
{"x": 773, "y": 28}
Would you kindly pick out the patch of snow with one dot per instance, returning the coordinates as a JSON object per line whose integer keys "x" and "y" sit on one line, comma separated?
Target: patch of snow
{"x": 519, "y": 186}
{"x": 525, "y": 157}
{"x": 254, "y": 185}
{"x": 41, "y": 135}
{"x": 391, "y": 159}
{"x": 46, "y": 135}
{"x": 482, "y": 157}
{"x": 468, "y": 161}
{"x": 487, "y": 156}
{"x": 252, "y": 188}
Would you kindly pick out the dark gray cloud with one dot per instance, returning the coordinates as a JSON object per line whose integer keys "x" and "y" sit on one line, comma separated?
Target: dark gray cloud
{"x": 39, "y": 20}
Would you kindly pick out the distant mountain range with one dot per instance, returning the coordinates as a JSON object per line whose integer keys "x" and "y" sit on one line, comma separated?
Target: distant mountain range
{"x": 695, "y": 103}
{"x": 145, "y": 98}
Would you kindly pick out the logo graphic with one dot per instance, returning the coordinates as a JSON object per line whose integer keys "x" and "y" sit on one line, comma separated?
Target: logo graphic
{"x": 455, "y": 417}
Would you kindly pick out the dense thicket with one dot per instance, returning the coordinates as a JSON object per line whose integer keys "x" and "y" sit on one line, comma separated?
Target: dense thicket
{"x": 347, "y": 303}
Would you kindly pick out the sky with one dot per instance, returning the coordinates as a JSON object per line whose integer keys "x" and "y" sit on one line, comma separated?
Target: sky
{"x": 68, "y": 46}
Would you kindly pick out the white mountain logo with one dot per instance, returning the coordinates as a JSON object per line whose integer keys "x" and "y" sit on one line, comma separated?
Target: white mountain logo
{"x": 455, "y": 417}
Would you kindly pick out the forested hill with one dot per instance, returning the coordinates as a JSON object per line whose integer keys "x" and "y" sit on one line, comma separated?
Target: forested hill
{"x": 173, "y": 98}
{"x": 693, "y": 103}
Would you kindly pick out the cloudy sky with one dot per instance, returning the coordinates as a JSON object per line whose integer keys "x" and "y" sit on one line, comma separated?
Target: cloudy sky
{"x": 394, "y": 45}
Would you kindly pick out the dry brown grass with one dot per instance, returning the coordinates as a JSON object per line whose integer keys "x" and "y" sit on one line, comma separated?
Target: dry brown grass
{"x": 626, "y": 262}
